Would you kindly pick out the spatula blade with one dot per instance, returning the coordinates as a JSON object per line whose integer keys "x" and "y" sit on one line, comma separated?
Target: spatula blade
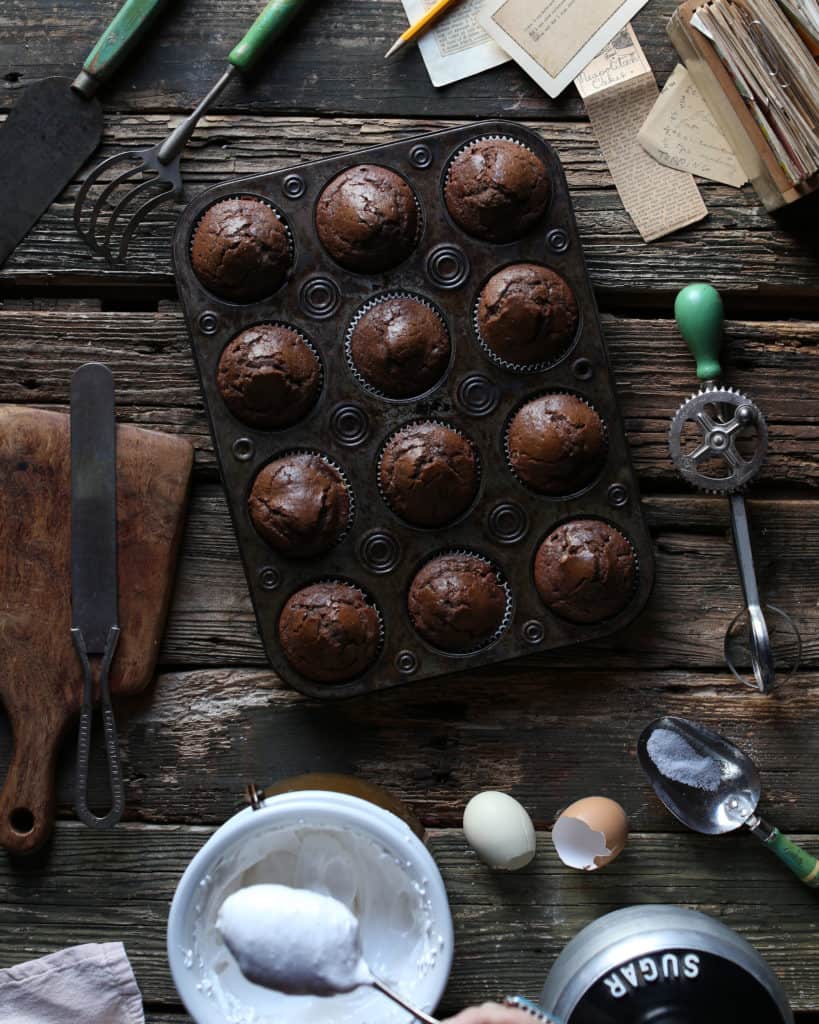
{"x": 49, "y": 134}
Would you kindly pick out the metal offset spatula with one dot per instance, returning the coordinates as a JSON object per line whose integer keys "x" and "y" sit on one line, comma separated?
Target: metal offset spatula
{"x": 94, "y": 612}
{"x": 108, "y": 223}
{"x": 56, "y": 124}
{"x": 718, "y": 441}
{"x": 713, "y": 787}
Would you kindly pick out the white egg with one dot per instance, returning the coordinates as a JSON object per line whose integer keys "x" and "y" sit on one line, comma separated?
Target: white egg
{"x": 499, "y": 830}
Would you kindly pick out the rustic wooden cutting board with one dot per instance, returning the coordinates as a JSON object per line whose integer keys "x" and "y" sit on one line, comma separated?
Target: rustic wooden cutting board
{"x": 40, "y": 676}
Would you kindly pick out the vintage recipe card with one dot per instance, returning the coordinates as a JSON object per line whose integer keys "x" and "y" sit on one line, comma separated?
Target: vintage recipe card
{"x": 457, "y": 45}
{"x": 553, "y": 40}
{"x": 619, "y": 91}
{"x": 681, "y": 132}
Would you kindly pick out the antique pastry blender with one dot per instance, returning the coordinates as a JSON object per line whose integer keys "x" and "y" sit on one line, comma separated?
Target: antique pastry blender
{"x": 718, "y": 442}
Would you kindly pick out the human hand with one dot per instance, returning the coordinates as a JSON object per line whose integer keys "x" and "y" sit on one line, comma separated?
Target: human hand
{"x": 492, "y": 1013}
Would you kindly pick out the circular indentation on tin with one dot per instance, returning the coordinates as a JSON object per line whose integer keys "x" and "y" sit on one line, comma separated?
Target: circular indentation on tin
{"x": 533, "y": 632}
{"x": 406, "y": 662}
{"x": 420, "y": 156}
{"x": 293, "y": 186}
{"x": 269, "y": 578}
{"x": 243, "y": 449}
{"x": 447, "y": 266}
{"x": 380, "y": 551}
{"x": 583, "y": 369}
{"x": 557, "y": 240}
{"x": 208, "y": 323}
{"x": 477, "y": 395}
{"x": 320, "y": 297}
{"x": 349, "y": 424}
{"x": 508, "y": 522}
{"x": 618, "y": 495}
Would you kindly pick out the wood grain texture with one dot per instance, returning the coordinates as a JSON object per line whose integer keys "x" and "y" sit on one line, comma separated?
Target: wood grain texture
{"x": 330, "y": 61}
{"x": 41, "y": 681}
{"x": 740, "y": 248}
{"x": 464, "y": 738}
{"x": 776, "y": 363}
{"x": 508, "y": 928}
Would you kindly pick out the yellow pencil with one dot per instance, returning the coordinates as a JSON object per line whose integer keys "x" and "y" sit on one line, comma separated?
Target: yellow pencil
{"x": 420, "y": 26}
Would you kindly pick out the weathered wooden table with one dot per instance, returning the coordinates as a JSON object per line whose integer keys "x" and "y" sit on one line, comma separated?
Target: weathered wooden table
{"x": 548, "y": 729}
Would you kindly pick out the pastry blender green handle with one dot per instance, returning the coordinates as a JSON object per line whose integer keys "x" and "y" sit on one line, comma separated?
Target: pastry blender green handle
{"x": 803, "y": 864}
{"x": 264, "y": 31}
{"x": 128, "y": 27}
{"x": 700, "y": 317}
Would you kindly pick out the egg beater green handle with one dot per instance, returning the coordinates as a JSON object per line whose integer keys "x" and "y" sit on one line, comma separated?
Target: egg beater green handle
{"x": 700, "y": 317}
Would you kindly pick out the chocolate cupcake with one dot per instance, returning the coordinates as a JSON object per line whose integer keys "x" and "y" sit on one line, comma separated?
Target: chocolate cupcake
{"x": 496, "y": 189}
{"x": 300, "y": 504}
{"x": 526, "y": 315}
{"x": 399, "y": 346}
{"x": 329, "y": 632}
{"x": 585, "y": 571}
{"x": 269, "y": 376}
{"x": 367, "y": 218}
{"x": 457, "y": 602}
{"x": 428, "y": 474}
{"x": 556, "y": 444}
{"x": 240, "y": 249}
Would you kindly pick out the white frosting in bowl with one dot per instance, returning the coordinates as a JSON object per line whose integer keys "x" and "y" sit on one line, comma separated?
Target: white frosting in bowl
{"x": 405, "y": 928}
{"x": 293, "y": 940}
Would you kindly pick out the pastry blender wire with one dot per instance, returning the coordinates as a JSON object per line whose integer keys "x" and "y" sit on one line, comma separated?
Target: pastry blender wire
{"x": 731, "y": 440}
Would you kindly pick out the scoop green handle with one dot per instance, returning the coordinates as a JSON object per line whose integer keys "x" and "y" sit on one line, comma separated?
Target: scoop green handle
{"x": 803, "y": 864}
{"x": 700, "y": 317}
{"x": 270, "y": 24}
{"x": 129, "y": 25}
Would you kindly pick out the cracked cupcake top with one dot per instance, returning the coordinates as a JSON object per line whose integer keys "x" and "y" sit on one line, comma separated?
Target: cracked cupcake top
{"x": 527, "y": 314}
{"x": 556, "y": 444}
{"x": 400, "y": 346}
{"x": 428, "y": 474}
{"x": 240, "y": 249}
{"x": 300, "y": 504}
{"x": 496, "y": 189}
{"x": 457, "y": 603}
{"x": 329, "y": 632}
{"x": 585, "y": 571}
{"x": 269, "y": 376}
{"x": 367, "y": 218}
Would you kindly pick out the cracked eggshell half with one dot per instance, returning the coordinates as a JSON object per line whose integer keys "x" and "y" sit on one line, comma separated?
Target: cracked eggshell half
{"x": 590, "y": 833}
{"x": 499, "y": 830}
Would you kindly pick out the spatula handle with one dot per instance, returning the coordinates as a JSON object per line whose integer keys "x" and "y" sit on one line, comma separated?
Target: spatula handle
{"x": 264, "y": 31}
{"x": 129, "y": 26}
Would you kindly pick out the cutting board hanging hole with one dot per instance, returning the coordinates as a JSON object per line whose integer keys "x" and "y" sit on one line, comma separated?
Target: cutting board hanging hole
{"x": 21, "y": 820}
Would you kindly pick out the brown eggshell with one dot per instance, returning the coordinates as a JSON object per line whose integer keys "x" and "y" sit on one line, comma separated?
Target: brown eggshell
{"x": 602, "y": 815}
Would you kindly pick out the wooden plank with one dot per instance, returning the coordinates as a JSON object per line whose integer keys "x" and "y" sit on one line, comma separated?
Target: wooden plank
{"x": 439, "y": 742}
{"x": 509, "y": 927}
{"x": 775, "y": 362}
{"x": 742, "y": 249}
{"x": 330, "y": 61}
{"x": 695, "y": 597}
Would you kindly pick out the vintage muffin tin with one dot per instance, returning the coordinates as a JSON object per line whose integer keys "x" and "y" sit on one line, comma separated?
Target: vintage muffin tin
{"x": 380, "y": 553}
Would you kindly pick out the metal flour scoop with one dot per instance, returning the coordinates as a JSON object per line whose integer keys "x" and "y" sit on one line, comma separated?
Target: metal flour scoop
{"x": 713, "y": 787}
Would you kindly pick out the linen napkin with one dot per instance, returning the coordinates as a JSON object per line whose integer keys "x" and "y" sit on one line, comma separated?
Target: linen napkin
{"x": 92, "y": 984}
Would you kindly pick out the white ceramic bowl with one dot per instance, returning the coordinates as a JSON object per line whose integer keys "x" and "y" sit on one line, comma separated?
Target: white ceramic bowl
{"x": 409, "y": 943}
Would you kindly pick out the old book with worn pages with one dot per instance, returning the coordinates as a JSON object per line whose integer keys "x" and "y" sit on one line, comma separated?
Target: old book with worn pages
{"x": 753, "y": 62}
